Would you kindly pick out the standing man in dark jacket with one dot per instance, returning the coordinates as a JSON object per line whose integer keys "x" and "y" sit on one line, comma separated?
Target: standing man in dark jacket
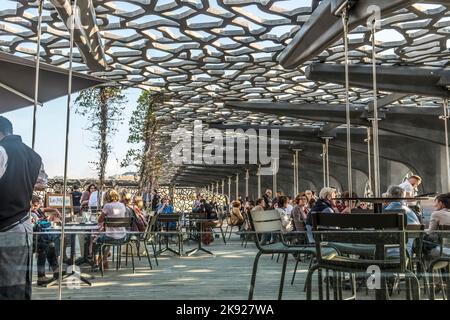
{"x": 21, "y": 170}
{"x": 267, "y": 196}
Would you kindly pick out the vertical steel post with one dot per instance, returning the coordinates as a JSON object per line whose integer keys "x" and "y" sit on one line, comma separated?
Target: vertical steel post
{"x": 66, "y": 151}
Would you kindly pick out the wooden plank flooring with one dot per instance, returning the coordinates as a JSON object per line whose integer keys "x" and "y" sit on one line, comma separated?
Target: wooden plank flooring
{"x": 226, "y": 275}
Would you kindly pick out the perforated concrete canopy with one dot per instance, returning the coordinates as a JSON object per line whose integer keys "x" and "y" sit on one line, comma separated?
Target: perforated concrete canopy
{"x": 204, "y": 53}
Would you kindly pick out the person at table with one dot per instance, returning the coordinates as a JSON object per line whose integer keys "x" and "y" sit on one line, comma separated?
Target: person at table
{"x": 399, "y": 192}
{"x": 86, "y": 196}
{"x": 344, "y": 205}
{"x": 21, "y": 172}
{"x": 45, "y": 243}
{"x": 411, "y": 186}
{"x": 165, "y": 207}
{"x": 155, "y": 200}
{"x": 311, "y": 198}
{"x": 206, "y": 209}
{"x": 236, "y": 217}
{"x": 325, "y": 204}
{"x": 267, "y": 199}
{"x": 197, "y": 202}
{"x": 286, "y": 219}
{"x": 112, "y": 208}
{"x": 439, "y": 217}
{"x": 259, "y": 205}
{"x": 300, "y": 212}
{"x": 139, "y": 207}
{"x": 76, "y": 199}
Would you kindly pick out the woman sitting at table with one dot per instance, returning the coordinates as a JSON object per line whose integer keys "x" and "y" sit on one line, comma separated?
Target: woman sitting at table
{"x": 344, "y": 207}
{"x": 139, "y": 223}
{"x": 236, "y": 218}
{"x": 113, "y": 208}
{"x": 86, "y": 195}
{"x": 438, "y": 218}
{"x": 45, "y": 243}
{"x": 325, "y": 204}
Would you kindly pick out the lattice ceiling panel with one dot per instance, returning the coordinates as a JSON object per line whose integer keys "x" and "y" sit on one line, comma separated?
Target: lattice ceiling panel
{"x": 202, "y": 53}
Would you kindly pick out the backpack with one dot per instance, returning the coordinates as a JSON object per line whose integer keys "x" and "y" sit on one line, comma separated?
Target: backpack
{"x": 207, "y": 236}
{"x": 43, "y": 227}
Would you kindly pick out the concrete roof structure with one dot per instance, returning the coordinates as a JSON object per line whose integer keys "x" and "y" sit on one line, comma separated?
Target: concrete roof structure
{"x": 246, "y": 63}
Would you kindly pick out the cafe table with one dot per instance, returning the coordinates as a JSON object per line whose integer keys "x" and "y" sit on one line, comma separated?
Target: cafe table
{"x": 378, "y": 251}
{"x": 73, "y": 229}
{"x": 200, "y": 222}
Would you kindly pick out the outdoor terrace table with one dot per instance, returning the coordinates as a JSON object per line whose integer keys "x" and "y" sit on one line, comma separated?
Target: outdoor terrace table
{"x": 378, "y": 202}
{"x": 201, "y": 222}
{"x": 73, "y": 229}
{"x": 166, "y": 219}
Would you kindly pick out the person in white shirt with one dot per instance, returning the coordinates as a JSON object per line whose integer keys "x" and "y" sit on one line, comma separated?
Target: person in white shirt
{"x": 410, "y": 185}
{"x": 286, "y": 219}
{"x": 289, "y": 206}
{"x": 93, "y": 199}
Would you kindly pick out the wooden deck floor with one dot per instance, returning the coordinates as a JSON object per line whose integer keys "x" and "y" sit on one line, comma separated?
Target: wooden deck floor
{"x": 226, "y": 275}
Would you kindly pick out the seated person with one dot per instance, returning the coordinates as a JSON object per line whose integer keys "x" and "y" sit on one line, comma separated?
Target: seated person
{"x": 236, "y": 218}
{"x": 165, "y": 207}
{"x": 324, "y": 204}
{"x": 140, "y": 215}
{"x": 398, "y": 192}
{"x": 113, "y": 208}
{"x": 45, "y": 244}
{"x": 438, "y": 218}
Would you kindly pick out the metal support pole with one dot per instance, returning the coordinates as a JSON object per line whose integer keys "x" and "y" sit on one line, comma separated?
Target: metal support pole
{"x": 229, "y": 189}
{"x": 295, "y": 172}
{"x": 247, "y": 177}
{"x": 223, "y": 186}
{"x": 36, "y": 81}
{"x": 447, "y": 154}
{"x": 66, "y": 152}
{"x": 369, "y": 166}
{"x": 347, "y": 102}
{"x": 297, "y": 161}
{"x": 237, "y": 186}
{"x": 274, "y": 177}
{"x": 327, "y": 161}
{"x": 324, "y": 166}
{"x": 258, "y": 173}
{"x": 217, "y": 187}
{"x": 376, "y": 150}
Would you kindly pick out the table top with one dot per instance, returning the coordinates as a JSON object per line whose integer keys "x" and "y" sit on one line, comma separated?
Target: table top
{"x": 378, "y": 200}
{"x": 79, "y": 226}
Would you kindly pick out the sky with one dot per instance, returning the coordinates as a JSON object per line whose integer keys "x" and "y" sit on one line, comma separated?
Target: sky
{"x": 50, "y": 138}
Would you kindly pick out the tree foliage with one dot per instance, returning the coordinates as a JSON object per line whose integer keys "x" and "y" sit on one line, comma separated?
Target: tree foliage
{"x": 103, "y": 107}
{"x": 143, "y": 129}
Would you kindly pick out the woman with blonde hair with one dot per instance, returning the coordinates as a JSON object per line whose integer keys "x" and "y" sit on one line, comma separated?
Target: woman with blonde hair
{"x": 139, "y": 218}
{"x": 236, "y": 218}
{"x": 112, "y": 208}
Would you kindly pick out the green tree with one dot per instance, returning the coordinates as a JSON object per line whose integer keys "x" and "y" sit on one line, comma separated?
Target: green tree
{"x": 103, "y": 107}
{"x": 143, "y": 134}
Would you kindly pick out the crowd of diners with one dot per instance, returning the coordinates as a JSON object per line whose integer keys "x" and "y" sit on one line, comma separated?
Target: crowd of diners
{"x": 295, "y": 214}
{"x": 116, "y": 204}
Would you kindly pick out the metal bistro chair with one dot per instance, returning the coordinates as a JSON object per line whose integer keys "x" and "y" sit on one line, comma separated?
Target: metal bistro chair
{"x": 438, "y": 264}
{"x": 270, "y": 222}
{"x": 221, "y": 216}
{"x": 148, "y": 237}
{"x": 117, "y": 223}
{"x": 382, "y": 231}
